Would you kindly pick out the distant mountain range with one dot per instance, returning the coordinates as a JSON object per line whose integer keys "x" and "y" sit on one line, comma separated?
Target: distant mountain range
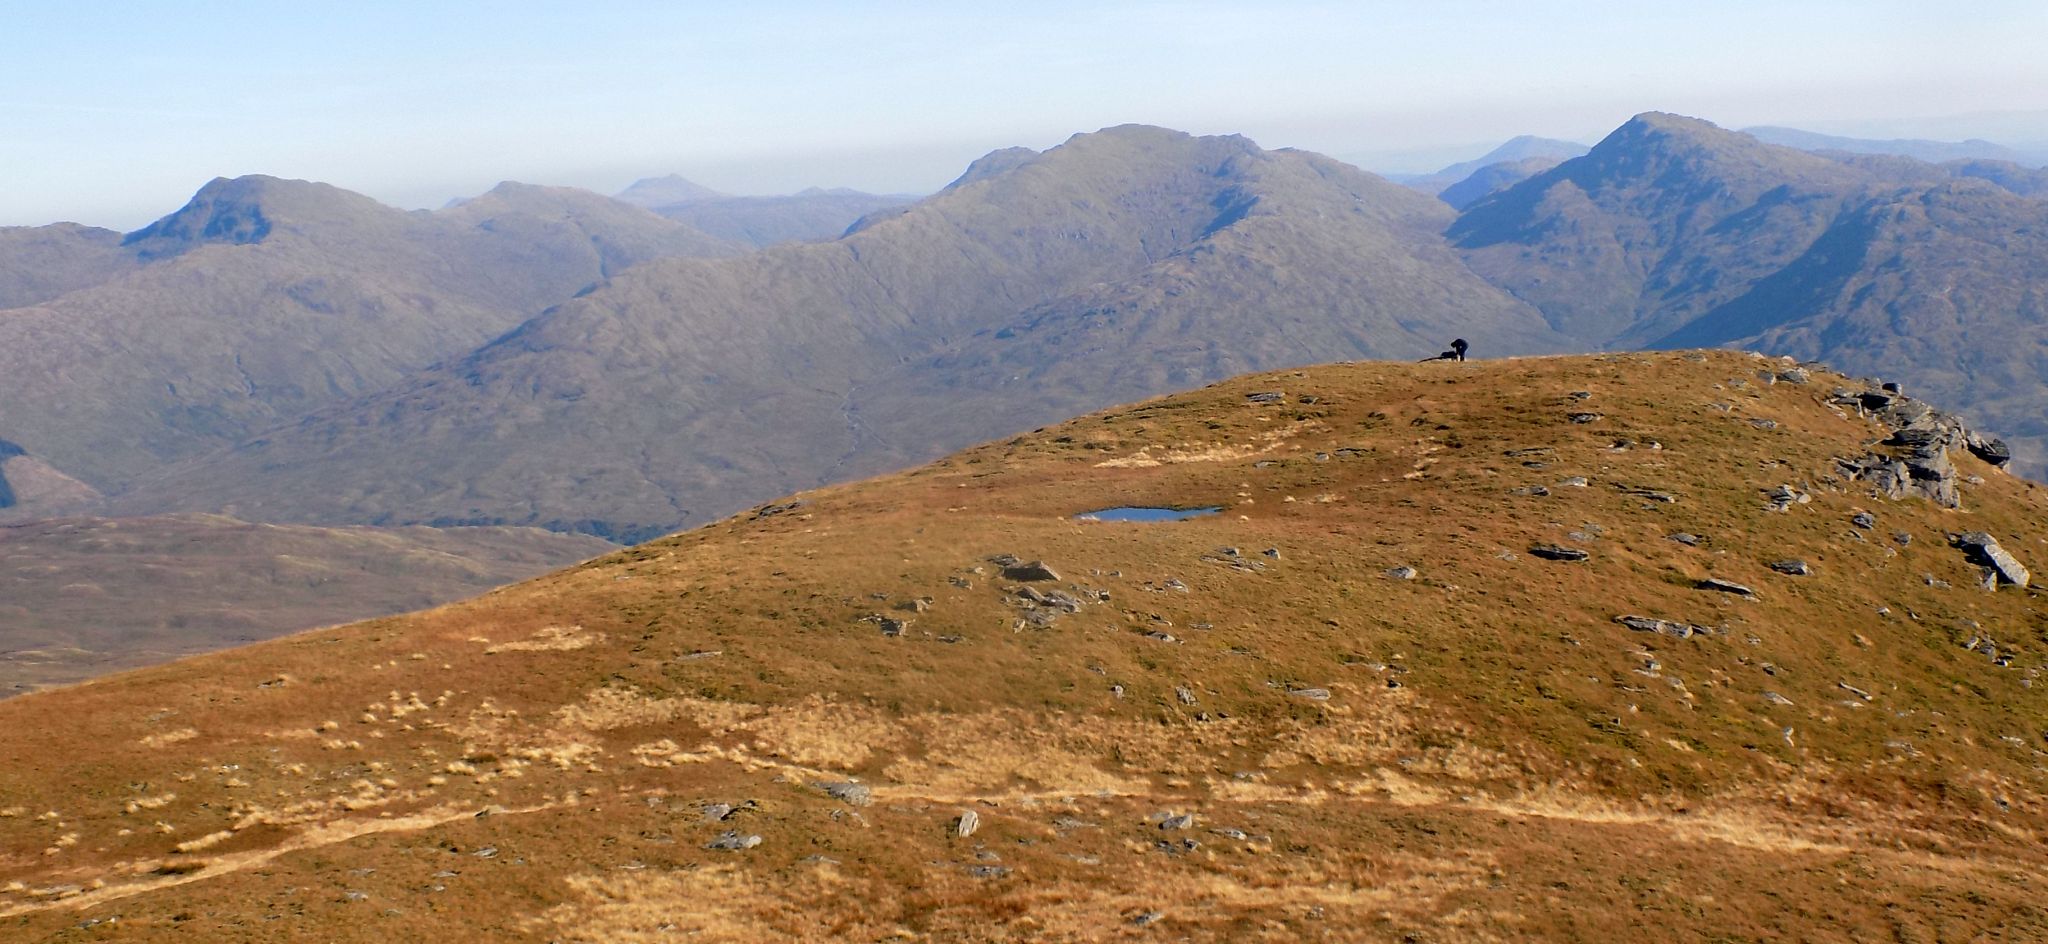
{"x": 287, "y": 351}
{"x": 1119, "y": 264}
{"x": 807, "y": 216}
{"x": 1935, "y": 152}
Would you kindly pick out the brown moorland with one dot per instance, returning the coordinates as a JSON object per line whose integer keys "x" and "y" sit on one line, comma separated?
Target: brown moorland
{"x": 847, "y": 718}
{"x": 87, "y": 596}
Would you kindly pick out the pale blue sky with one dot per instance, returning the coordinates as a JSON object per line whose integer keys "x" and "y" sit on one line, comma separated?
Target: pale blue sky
{"x": 112, "y": 113}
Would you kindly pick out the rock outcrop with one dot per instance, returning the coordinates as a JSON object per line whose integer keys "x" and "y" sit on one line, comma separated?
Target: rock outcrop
{"x": 1916, "y": 456}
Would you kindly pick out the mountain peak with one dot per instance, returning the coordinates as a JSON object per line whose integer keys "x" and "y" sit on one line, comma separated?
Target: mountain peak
{"x": 244, "y": 210}
{"x": 673, "y": 189}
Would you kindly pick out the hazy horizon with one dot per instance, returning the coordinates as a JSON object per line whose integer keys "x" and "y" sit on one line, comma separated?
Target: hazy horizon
{"x": 416, "y": 104}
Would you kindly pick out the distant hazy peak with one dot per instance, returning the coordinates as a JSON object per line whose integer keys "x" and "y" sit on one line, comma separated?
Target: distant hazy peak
{"x": 671, "y": 190}
{"x": 242, "y": 210}
{"x": 1918, "y": 149}
{"x": 1524, "y": 146}
{"x": 1138, "y": 135}
{"x": 544, "y": 200}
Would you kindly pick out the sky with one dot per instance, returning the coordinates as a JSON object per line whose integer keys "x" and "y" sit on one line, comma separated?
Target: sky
{"x": 112, "y": 113}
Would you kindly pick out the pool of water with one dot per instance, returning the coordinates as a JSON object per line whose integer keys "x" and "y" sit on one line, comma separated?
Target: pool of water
{"x": 1133, "y": 513}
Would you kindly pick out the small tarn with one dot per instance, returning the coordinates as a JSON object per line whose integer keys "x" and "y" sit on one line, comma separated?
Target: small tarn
{"x": 1133, "y": 513}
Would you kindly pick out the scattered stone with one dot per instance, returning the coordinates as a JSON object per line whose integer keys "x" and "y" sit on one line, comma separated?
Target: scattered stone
{"x": 733, "y": 841}
{"x": 1229, "y": 833}
{"x": 1312, "y": 694}
{"x": 1853, "y": 690}
{"x": 1266, "y": 396}
{"x": 770, "y": 511}
{"x": 1148, "y": 918}
{"x": 716, "y": 812}
{"x": 1161, "y": 637}
{"x": 1536, "y": 491}
{"x": 1583, "y": 418}
{"x": 1983, "y": 549}
{"x": 1864, "y": 520}
{"x": 846, "y": 791}
{"x": 968, "y": 822}
{"x": 914, "y": 606}
{"x": 1794, "y": 375}
{"x": 1184, "y": 694}
{"x": 1649, "y": 493}
{"x": 1672, "y": 628}
{"x": 1792, "y": 568}
{"x": 1531, "y": 451}
{"x": 1271, "y": 552}
{"x": 1990, "y": 449}
{"x": 1178, "y": 821}
{"x": 1229, "y": 552}
{"x": 1557, "y": 552}
{"x": 1403, "y": 572}
{"x": 1003, "y": 560}
{"x": 1760, "y": 423}
{"x": 891, "y": 626}
{"x": 1725, "y": 586}
{"x": 1784, "y": 497}
{"x": 1576, "y": 481}
{"x": 1776, "y": 699}
{"x": 1686, "y": 538}
{"x": 989, "y": 871}
{"x": 1035, "y": 570}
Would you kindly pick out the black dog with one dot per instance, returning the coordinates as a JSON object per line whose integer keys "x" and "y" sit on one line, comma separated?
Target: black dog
{"x": 1456, "y": 353}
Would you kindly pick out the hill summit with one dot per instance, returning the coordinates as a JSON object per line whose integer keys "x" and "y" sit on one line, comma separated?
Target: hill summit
{"x": 1571, "y": 647}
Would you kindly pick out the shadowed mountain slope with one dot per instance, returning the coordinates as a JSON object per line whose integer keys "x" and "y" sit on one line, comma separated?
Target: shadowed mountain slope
{"x": 1494, "y": 178}
{"x": 263, "y": 299}
{"x": 86, "y": 596}
{"x": 1120, "y": 264}
{"x": 1674, "y": 233}
{"x": 1372, "y": 699}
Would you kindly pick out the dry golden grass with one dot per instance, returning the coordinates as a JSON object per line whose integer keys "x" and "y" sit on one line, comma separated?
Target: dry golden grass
{"x": 1492, "y": 758}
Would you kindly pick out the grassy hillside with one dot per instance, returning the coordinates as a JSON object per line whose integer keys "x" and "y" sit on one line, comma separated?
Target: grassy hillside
{"x": 1382, "y": 712}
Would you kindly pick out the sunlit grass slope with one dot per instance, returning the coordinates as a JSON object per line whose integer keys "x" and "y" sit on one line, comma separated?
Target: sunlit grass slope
{"x": 1253, "y": 725}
